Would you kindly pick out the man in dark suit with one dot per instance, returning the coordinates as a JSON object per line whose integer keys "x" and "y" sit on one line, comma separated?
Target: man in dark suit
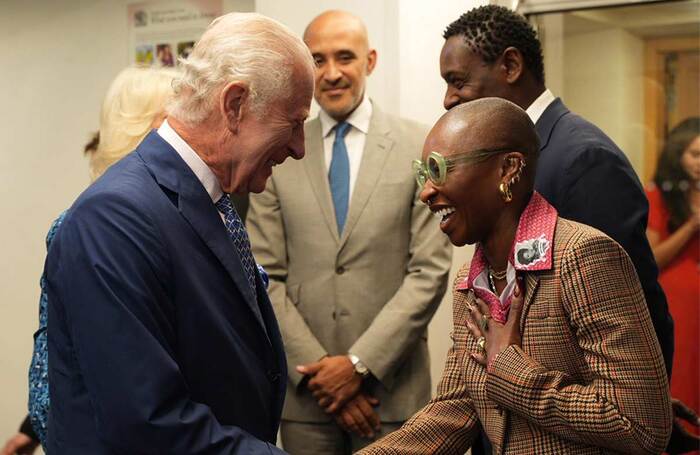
{"x": 162, "y": 338}
{"x": 492, "y": 51}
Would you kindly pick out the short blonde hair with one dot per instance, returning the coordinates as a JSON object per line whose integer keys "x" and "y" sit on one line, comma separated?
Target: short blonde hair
{"x": 136, "y": 98}
{"x": 245, "y": 47}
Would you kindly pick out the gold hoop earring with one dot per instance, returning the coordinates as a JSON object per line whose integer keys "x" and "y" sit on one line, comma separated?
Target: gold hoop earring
{"x": 505, "y": 192}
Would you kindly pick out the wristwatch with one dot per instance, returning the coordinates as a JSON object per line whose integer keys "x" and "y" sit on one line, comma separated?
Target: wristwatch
{"x": 360, "y": 367}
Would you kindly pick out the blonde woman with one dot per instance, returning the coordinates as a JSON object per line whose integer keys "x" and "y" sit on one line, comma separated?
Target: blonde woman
{"x": 134, "y": 104}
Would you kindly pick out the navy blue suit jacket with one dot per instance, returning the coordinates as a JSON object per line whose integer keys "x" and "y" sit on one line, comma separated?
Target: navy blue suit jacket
{"x": 588, "y": 179}
{"x": 156, "y": 342}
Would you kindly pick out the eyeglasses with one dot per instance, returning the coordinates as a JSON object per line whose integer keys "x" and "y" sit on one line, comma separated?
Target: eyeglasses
{"x": 436, "y": 166}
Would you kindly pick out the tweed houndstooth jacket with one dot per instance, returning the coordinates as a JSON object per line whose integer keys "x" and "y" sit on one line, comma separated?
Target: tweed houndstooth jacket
{"x": 588, "y": 379}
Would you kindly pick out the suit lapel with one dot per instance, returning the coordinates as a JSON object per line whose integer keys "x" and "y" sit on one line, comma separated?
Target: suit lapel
{"x": 315, "y": 166}
{"x": 374, "y": 156}
{"x": 201, "y": 214}
{"x": 196, "y": 207}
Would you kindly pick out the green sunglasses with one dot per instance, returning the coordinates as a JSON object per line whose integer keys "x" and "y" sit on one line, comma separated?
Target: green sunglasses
{"x": 436, "y": 166}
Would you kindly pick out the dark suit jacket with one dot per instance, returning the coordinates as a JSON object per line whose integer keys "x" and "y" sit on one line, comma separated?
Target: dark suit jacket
{"x": 156, "y": 342}
{"x": 588, "y": 179}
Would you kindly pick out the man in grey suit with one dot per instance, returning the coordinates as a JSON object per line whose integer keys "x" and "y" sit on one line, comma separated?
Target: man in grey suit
{"x": 357, "y": 263}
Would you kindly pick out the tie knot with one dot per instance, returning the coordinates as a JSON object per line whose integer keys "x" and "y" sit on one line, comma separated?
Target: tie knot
{"x": 341, "y": 129}
{"x": 224, "y": 204}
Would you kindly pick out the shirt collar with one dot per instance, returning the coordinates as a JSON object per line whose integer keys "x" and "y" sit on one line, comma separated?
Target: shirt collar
{"x": 203, "y": 172}
{"x": 359, "y": 118}
{"x": 532, "y": 247}
{"x": 539, "y": 105}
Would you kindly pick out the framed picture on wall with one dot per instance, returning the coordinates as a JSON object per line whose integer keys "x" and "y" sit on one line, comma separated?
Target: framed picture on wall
{"x": 161, "y": 31}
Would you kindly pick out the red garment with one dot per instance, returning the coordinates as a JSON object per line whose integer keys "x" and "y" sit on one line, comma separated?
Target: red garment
{"x": 680, "y": 280}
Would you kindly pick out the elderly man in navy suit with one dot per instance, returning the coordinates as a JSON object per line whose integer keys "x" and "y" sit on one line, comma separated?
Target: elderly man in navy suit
{"x": 161, "y": 335}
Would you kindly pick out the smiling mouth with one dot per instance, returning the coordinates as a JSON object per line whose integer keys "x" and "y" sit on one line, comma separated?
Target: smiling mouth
{"x": 334, "y": 90}
{"x": 444, "y": 213}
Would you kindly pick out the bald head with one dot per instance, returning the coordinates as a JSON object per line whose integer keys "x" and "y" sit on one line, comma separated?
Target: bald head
{"x": 340, "y": 48}
{"x": 488, "y": 123}
{"x": 340, "y": 21}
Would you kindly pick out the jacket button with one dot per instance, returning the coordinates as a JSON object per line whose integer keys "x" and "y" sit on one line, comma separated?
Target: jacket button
{"x": 333, "y": 314}
{"x": 273, "y": 376}
{"x": 340, "y": 270}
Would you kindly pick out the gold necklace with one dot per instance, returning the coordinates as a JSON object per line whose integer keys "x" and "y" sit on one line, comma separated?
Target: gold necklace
{"x": 498, "y": 275}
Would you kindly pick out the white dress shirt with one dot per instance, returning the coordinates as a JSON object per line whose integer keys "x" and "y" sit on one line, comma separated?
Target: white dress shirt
{"x": 203, "y": 172}
{"x": 539, "y": 105}
{"x": 354, "y": 139}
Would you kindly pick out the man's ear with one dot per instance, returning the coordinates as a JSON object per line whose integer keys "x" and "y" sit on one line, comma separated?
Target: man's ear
{"x": 233, "y": 97}
{"x": 371, "y": 61}
{"x": 512, "y": 64}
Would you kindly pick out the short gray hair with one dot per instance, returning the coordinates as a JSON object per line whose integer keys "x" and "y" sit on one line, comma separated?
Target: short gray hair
{"x": 247, "y": 47}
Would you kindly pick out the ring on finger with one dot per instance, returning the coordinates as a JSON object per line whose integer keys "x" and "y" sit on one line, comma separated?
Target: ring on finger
{"x": 481, "y": 342}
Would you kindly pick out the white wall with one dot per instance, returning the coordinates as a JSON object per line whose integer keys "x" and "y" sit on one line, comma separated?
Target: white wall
{"x": 603, "y": 73}
{"x": 550, "y": 29}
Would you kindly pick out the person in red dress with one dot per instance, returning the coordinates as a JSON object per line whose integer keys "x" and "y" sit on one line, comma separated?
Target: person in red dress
{"x": 674, "y": 223}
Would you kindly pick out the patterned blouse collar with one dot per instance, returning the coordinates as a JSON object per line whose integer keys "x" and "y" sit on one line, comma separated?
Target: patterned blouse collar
{"x": 531, "y": 250}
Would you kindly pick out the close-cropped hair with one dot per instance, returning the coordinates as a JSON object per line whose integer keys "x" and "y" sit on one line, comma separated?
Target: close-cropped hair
{"x": 245, "y": 47}
{"x": 670, "y": 178}
{"x": 134, "y": 100}
{"x": 489, "y": 30}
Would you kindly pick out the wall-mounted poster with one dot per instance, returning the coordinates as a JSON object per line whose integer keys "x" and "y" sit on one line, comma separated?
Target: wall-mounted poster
{"x": 162, "y": 31}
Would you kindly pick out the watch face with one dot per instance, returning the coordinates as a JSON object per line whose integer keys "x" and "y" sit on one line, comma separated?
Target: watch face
{"x": 361, "y": 368}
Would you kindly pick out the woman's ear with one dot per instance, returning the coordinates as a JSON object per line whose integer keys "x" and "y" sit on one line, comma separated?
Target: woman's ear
{"x": 512, "y": 167}
{"x": 233, "y": 98}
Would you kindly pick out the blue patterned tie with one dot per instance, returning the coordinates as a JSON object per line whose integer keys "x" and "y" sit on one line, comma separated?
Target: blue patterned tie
{"x": 339, "y": 175}
{"x": 239, "y": 236}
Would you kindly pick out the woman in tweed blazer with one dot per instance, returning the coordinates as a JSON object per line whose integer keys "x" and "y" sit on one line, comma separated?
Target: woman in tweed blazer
{"x": 554, "y": 351}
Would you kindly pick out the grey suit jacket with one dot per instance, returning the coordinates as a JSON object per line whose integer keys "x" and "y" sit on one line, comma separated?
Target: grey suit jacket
{"x": 370, "y": 291}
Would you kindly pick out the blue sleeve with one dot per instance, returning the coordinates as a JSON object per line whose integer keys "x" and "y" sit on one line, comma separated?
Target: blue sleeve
{"x": 38, "y": 369}
{"x": 111, "y": 279}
